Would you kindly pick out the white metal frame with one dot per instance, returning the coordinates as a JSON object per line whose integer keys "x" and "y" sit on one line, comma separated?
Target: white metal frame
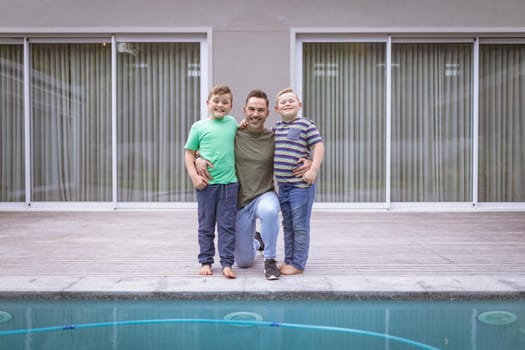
{"x": 298, "y": 36}
{"x": 202, "y": 35}
{"x": 23, "y": 36}
{"x": 475, "y": 122}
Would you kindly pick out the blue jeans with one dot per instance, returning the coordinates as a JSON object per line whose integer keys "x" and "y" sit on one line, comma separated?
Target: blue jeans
{"x": 296, "y": 207}
{"x": 265, "y": 207}
{"x": 217, "y": 204}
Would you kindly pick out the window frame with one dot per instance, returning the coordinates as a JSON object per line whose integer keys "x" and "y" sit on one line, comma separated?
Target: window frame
{"x": 390, "y": 36}
{"x": 200, "y": 35}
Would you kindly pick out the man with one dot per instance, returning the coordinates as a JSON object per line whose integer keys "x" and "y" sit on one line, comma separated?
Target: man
{"x": 254, "y": 149}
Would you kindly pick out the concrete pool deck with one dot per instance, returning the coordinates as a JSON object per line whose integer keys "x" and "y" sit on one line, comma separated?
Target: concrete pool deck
{"x": 353, "y": 254}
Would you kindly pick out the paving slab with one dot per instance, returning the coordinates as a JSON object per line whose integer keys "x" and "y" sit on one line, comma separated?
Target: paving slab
{"x": 353, "y": 254}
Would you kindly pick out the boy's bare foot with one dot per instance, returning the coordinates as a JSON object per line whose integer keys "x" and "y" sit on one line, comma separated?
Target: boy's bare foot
{"x": 287, "y": 269}
{"x": 206, "y": 270}
{"x": 228, "y": 272}
{"x": 282, "y": 266}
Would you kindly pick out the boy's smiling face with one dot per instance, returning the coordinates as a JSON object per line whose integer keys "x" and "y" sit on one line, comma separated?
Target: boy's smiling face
{"x": 219, "y": 106}
{"x": 288, "y": 105}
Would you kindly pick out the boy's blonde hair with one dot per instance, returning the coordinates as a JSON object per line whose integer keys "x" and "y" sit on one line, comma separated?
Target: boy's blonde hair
{"x": 220, "y": 90}
{"x": 285, "y": 91}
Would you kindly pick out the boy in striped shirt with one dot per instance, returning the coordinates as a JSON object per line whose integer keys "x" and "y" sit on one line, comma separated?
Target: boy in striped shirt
{"x": 295, "y": 138}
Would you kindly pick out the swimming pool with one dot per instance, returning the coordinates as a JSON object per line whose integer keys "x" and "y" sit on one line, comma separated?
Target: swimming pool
{"x": 268, "y": 324}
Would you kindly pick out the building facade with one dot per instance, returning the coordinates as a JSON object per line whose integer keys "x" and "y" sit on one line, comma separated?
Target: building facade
{"x": 421, "y": 104}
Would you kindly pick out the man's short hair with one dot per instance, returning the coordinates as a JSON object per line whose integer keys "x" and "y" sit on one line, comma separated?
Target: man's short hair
{"x": 257, "y": 94}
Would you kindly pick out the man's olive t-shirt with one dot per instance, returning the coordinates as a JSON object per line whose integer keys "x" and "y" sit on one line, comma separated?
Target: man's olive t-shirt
{"x": 254, "y": 164}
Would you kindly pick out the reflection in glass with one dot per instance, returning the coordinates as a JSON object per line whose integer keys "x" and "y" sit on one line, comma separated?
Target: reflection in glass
{"x": 502, "y": 123}
{"x": 12, "y": 188}
{"x": 431, "y": 123}
{"x": 344, "y": 94}
{"x": 71, "y": 122}
{"x": 158, "y": 100}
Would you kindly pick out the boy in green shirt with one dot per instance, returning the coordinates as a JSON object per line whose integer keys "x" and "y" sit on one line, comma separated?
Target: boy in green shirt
{"x": 213, "y": 139}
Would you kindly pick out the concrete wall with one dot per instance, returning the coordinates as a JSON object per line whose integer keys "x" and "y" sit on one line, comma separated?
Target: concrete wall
{"x": 234, "y": 15}
{"x": 251, "y": 39}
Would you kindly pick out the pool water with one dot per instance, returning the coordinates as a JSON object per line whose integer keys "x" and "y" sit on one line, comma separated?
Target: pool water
{"x": 290, "y": 325}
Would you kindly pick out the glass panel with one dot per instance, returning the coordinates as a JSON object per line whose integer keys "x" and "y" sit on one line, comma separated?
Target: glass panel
{"x": 158, "y": 101}
{"x": 344, "y": 93}
{"x": 12, "y": 174}
{"x": 502, "y": 123}
{"x": 71, "y": 122}
{"x": 431, "y": 123}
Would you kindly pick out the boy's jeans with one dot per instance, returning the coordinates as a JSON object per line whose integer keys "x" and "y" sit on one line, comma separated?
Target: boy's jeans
{"x": 296, "y": 207}
{"x": 217, "y": 204}
{"x": 264, "y": 207}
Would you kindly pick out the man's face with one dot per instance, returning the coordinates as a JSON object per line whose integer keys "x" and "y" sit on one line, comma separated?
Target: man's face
{"x": 219, "y": 105}
{"x": 255, "y": 113}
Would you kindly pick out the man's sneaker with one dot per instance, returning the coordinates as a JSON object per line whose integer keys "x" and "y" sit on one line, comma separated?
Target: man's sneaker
{"x": 259, "y": 239}
{"x": 271, "y": 271}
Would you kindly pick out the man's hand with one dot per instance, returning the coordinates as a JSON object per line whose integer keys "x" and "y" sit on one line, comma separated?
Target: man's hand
{"x": 201, "y": 165}
{"x": 303, "y": 165}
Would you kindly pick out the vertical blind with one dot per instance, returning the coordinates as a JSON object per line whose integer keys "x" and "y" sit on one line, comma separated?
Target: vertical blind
{"x": 71, "y": 122}
{"x": 12, "y": 173}
{"x": 158, "y": 100}
{"x": 431, "y": 155}
{"x": 344, "y": 94}
{"x": 502, "y": 123}
{"x": 431, "y": 123}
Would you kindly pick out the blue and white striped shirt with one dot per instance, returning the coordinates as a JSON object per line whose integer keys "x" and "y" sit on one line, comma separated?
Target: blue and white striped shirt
{"x": 293, "y": 140}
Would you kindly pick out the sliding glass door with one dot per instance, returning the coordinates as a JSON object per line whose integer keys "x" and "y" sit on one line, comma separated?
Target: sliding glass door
{"x": 158, "y": 100}
{"x": 104, "y": 124}
{"x": 12, "y": 148}
{"x": 431, "y": 122}
{"x": 502, "y": 123}
{"x": 344, "y": 94}
{"x": 70, "y": 122}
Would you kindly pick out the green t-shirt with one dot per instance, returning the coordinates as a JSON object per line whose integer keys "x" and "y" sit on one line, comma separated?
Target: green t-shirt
{"x": 214, "y": 139}
{"x": 254, "y": 163}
